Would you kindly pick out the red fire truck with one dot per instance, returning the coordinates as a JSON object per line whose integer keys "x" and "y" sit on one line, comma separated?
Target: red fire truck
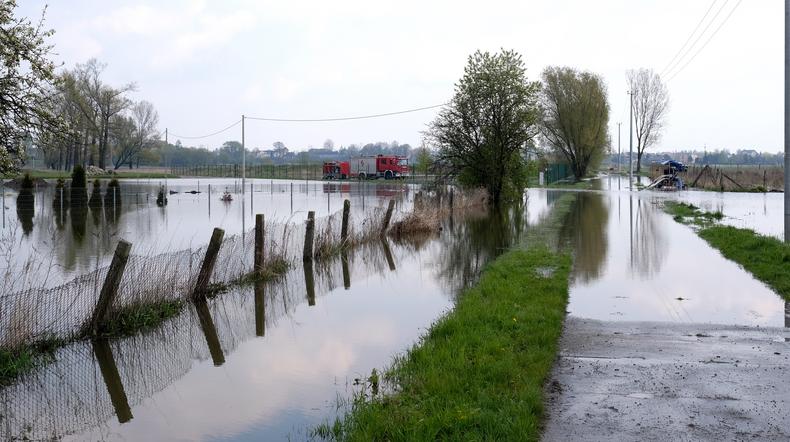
{"x": 336, "y": 170}
{"x": 380, "y": 166}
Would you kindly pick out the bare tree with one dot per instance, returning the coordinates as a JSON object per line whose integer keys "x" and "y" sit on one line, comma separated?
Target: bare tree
{"x": 651, "y": 106}
{"x": 133, "y": 134}
{"x": 575, "y": 116}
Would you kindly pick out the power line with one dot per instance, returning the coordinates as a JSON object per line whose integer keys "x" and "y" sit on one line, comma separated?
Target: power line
{"x": 696, "y": 40}
{"x": 689, "y": 38}
{"x": 206, "y": 136}
{"x": 706, "y": 41}
{"x": 360, "y": 117}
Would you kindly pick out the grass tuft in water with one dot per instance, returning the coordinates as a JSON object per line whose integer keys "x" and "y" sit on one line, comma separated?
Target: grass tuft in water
{"x": 480, "y": 371}
{"x": 131, "y": 320}
{"x": 690, "y": 214}
{"x": 17, "y": 361}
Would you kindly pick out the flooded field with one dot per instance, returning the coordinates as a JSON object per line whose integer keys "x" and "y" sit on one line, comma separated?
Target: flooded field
{"x": 266, "y": 361}
{"x": 80, "y": 240}
{"x": 270, "y": 361}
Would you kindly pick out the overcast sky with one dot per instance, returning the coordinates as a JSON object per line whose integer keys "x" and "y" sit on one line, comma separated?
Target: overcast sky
{"x": 203, "y": 64}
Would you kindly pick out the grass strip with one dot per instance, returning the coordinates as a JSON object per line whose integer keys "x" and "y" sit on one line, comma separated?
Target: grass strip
{"x": 479, "y": 372}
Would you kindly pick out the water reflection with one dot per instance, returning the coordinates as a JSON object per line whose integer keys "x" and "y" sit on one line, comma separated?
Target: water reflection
{"x": 273, "y": 384}
{"x": 649, "y": 243}
{"x": 25, "y": 210}
{"x": 584, "y": 228}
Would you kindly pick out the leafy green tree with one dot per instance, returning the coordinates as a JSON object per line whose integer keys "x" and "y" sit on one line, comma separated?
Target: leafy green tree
{"x": 424, "y": 161}
{"x": 26, "y": 75}
{"x": 481, "y": 134}
{"x": 575, "y": 116}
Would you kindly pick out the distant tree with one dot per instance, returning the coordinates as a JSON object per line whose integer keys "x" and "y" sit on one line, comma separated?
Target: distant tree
{"x": 26, "y": 78}
{"x": 651, "y": 106}
{"x": 575, "y": 116}
{"x": 329, "y": 144}
{"x": 482, "y": 132}
{"x": 135, "y": 133}
{"x": 424, "y": 160}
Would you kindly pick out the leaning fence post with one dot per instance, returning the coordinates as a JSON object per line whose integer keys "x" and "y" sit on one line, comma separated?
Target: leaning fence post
{"x": 259, "y": 244}
{"x": 344, "y": 228}
{"x": 387, "y": 217}
{"x": 309, "y": 233}
{"x": 110, "y": 287}
{"x": 208, "y": 262}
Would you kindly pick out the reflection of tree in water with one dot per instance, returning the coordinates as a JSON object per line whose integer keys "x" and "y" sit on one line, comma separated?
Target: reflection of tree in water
{"x": 475, "y": 239}
{"x": 649, "y": 242}
{"x": 79, "y": 216}
{"x": 25, "y": 209}
{"x": 584, "y": 228}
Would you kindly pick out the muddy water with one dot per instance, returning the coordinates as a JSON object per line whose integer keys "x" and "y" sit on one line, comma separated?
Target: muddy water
{"x": 70, "y": 242}
{"x": 264, "y": 362}
{"x": 635, "y": 263}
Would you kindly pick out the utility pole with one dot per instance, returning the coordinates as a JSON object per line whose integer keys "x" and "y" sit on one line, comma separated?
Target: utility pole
{"x": 618, "y": 145}
{"x": 243, "y": 159}
{"x": 631, "y": 142}
{"x": 787, "y": 121}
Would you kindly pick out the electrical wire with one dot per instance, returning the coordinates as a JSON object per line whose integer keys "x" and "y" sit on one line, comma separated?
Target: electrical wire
{"x": 206, "y": 136}
{"x": 361, "y": 117}
{"x": 696, "y": 40}
{"x": 706, "y": 41}
{"x": 689, "y": 38}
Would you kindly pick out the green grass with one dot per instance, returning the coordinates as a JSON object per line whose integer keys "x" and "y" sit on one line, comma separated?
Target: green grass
{"x": 479, "y": 372}
{"x": 142, "y": 317}
{"x": 767, "y": 258}
{"x": 18, "y": 361}
{"x": 691, "y": 214}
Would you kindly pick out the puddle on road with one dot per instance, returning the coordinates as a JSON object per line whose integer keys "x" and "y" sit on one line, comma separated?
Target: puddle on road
{"x": 635, "y": 263}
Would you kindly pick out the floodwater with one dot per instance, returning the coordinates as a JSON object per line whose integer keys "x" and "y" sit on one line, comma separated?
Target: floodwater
{"x": 72, "y": 241}
{"x": 269, "y": 362}
{"x": 264, "y": 362}
{"x": 635, "y": 263}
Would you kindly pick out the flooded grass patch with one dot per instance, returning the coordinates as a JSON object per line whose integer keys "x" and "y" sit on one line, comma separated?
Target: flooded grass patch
{"x": 690, "y": 214}
{"x": 479, "y": 373}
{"x": 131, "y": 320}
{"x": 17, "y": 361}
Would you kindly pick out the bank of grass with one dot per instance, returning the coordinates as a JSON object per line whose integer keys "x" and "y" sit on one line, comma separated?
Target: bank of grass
{"x": 479, "y": 373}
{"x": 765, "y": 257}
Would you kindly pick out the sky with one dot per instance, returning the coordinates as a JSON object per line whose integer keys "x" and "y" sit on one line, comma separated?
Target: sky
{"x": 204, "y": 64}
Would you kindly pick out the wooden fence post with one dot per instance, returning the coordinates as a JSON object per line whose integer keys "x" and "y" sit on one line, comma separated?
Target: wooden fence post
{"x": 259, "y": 244}
{"x": 110, "y": 287}
{"x": 112, "y": 380}
{"x": 344, "y": 229}
{"x": 387, "y": 217}
{"x": 309, "y": 233}
{"x": 207, "y": 268}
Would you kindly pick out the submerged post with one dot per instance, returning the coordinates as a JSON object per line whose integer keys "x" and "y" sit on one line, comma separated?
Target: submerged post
{"x": 208, "y": 262}
{"x": 344, "y": 228}
{"x": 112, "y": 380}
{"x": 387, "y": 217}
{"x": 110, "y": 287}
{"x": 309, "y": 233}
{"x": 259, "y": 244}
